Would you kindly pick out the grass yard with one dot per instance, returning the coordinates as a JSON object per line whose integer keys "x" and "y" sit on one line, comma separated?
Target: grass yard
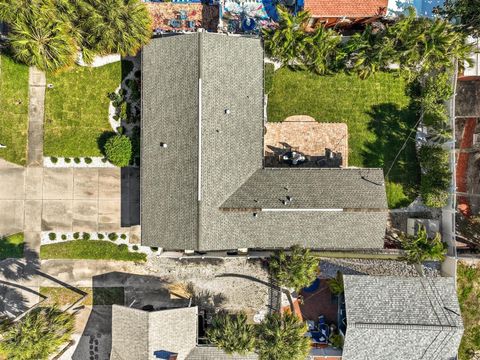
{"x": 468, "y": 290}
{"x": 89, "y": 249}
{"x": 76, "y": 109}
{"x": 13, "y": 110}
{"x": 11, "y": 246}
{"x": 376, "y": 110}
{"x": 95, "y": 296}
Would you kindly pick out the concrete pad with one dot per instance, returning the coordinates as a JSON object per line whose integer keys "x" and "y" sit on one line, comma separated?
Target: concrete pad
{"x": 57, "y": 184}
{"x": 34, "y": 183}
{"x": 109, "y": 186}
{"x": 57, "y": 215}
{"x": 11, "y": 220}
{"x": 85, "y": 183}
{"x": 33, "y": 215}
{"x": 85, "y": 215}
{"x": 12, "y": 182}
{"x": 109, "y": 215}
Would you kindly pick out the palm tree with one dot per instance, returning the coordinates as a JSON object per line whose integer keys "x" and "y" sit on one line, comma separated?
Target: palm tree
{"x": 296, "y": 269}
{"x": 282, "y": 338}
{"x": 232, "y": 333}
{"x": 426, "y": 45}
{"x": 370, "y": 51}
{"x": 286, "y": 42}
{"x": 37, "y": 335}
{"x": 114, "y": 26}
{"x": 321, "y": 50}
{"x": 420, "y": 248}
{"x": 336, "y": 284}
{"x": 39, "y": 39}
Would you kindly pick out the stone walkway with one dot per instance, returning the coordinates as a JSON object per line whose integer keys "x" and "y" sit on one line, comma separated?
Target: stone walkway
{"x": 36, "y": 110}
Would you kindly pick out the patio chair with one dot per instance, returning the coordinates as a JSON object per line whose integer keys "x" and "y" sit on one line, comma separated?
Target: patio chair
{"x": 175, "y": 23}
{"x": 191, "y": 24}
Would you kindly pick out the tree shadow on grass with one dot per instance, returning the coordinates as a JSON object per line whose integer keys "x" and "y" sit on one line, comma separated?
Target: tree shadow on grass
{"x": 102, "y": 140}
{"x": 392, "y": 126}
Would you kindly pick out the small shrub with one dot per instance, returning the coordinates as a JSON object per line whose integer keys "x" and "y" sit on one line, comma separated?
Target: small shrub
{"x": 88, "y": 160}
{"x": 76, "y": 235}
{"x": 113, "y": 236}
{"x": 420, "y": 248}
{"x": 64, "y": 237}
{"x": 104, "y": 160}
{"x": 68, "y": 160}
{"x": 138, "y": 74}
{"x": 53, "y": 159}
{"x": 123, "y": 111}
{"x": 100, "y": 236}
{"x": 120, "y": 130}
{"x": 86, "y": 236}
{"x": 118, "y": 150}
{"x": 123, "y": 247}
{"x": 154, "y": 248}
{"x": 52, "y": 236}
{"x": 123, "y": 236}
{"x": 76, "y": 160}
{"x": 135, "y": 247}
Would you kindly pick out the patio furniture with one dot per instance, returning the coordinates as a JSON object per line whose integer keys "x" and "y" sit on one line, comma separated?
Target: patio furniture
{"x": 182, "y": 14}
{"x": 294, "y": 157}
{"x": 323, "y": 330}
{"x": 191, "y": 24}
{"x": 175, "y": 23}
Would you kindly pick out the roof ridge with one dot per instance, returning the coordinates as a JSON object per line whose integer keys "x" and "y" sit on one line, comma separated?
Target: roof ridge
{"x": 398, "y": 326}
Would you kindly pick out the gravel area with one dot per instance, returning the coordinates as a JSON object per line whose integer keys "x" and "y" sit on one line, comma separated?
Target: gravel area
{"x": 235, "y": 284}
{"x": 329, "y": 267}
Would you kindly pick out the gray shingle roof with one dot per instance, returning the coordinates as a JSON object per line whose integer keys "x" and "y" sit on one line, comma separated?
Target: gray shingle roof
{"x": 401, "y": 318}
{"x": 311, "y": 189}
{"x": 138, "y": 334}
{"x": 214, "y": 159}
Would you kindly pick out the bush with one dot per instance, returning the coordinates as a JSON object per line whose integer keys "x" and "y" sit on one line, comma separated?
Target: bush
{"x": 104, "y": 160}
{"x": 120, "y": 130}
{"x": 420, "y": 248}
{"x": 64, "y": 237}
{"x": 76, "y": 160}
{"x": 113, "y": 236}
{"x": 76, "y": 235}
{"x": 296, "y": 269}
{"x": 135, "y": 247}
{"x": 68, "y": 160}
{"x": 436, "y": 175}
{"x": 123, "y": 247}
{"x": 88, "y": 160}
{"x": 100, "y": 236}
{"x": 53, "y": 159}
{"x": 86, "y": 236}
{"x": 154, "y": 248}
{"x": 123, "y": 236}
{"x": 118, "y": 150}
{"x": 52, "y": 236}
{"x": 232, "y": 333}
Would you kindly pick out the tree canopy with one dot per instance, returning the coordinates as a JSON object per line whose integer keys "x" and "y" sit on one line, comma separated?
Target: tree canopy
{"x": 232, "y": 333}
{"x": 37, "y": 335}
{"x": 421, "y": 248}
{"x": 466, "y": 13}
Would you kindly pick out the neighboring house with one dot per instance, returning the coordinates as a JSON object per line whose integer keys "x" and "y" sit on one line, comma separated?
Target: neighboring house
{"x": 401, "y": 318}
{"x": 203, "y": 181}
{"x": 166, "y": 334}
{"x": 344, "y": 12}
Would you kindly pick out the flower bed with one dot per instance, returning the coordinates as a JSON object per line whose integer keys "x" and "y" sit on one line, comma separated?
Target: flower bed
{"x": 55, "y": 237}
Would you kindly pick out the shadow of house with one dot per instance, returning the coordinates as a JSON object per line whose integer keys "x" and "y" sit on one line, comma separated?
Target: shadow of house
{"x": 130, "y": 196}
{"x": 392, "y": 127}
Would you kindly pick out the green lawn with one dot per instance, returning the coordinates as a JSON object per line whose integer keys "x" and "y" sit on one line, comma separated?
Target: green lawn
{"x": 11, "y": 246}
{"x": 13, "y": 110}
{"x": 76, "y": 109}
{"x": 468, "y": 289}
{"x": 377, "y": 112}
{"x": 89, "y": 249}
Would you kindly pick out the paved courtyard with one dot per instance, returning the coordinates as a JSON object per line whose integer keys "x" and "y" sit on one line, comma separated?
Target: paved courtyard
{"x": 43, "y": 199}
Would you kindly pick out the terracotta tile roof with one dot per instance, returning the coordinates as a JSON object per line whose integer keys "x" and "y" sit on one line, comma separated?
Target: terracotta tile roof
{"x": 347, "y": 8}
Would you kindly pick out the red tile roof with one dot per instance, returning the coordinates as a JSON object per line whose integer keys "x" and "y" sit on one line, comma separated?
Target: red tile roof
{"x": 346, "y": 8}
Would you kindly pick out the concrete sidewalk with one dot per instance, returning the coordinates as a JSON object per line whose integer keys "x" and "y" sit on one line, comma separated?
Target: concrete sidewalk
{"x": 36, "y": 109}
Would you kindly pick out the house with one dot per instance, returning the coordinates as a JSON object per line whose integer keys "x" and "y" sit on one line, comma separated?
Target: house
{"x": 401, "y": 318}
{"x": 344, "y": 12}
{"x": 203, "y": 182}
{"x": 166, "y": 334}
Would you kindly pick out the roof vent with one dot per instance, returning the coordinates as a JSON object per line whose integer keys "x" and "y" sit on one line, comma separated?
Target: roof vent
{"x": 227, "y": 111}
{"x": 289, "y": 198}
{"x": 255, "y": 215}
{"x": 163, "y": 145}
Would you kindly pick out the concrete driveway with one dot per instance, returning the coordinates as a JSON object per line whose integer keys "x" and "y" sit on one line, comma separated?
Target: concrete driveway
{"x": 43, "y": 199}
